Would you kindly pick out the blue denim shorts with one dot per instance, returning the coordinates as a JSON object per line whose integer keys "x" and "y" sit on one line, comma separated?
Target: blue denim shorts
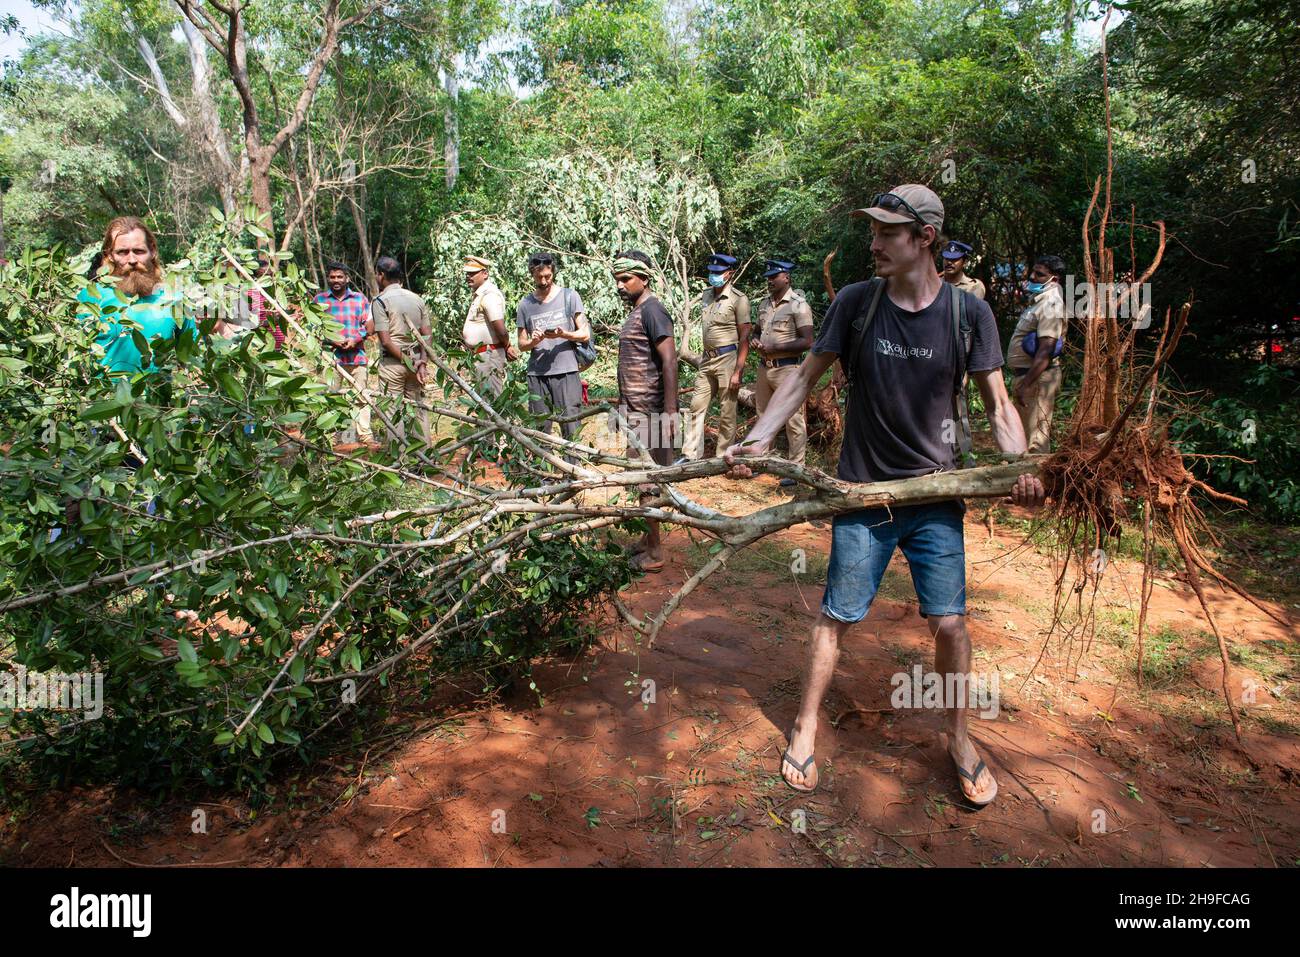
{"x": 862, "y": 544}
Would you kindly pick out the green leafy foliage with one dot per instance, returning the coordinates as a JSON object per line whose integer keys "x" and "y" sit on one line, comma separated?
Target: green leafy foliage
{"x": 1251, "y": 442}
{"x": 237, "y": 535}
{"x": 584, "y": 206}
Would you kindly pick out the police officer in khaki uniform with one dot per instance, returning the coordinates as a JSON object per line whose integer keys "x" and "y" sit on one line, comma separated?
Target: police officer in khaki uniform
{"x": 955, "y": 256}
{"x": 403, "y": 369}
{"x": 785, "y": 333}
{"x": 1035, "y": 349}
{"x": 484, "y": 331}
{"x": 726, "y": 323}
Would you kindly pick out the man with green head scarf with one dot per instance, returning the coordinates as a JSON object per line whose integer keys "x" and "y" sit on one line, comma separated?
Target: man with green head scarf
{"x": 647, "y": 380}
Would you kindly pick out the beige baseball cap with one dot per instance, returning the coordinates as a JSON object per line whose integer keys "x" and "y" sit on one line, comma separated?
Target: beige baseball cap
{"x": 886, "y": 207}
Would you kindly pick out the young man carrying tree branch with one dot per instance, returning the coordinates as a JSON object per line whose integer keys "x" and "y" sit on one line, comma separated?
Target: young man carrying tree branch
{"x": 906, "y": 339}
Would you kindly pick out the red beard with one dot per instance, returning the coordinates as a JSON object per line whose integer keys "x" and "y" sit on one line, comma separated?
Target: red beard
{"x": 138, "y": 281}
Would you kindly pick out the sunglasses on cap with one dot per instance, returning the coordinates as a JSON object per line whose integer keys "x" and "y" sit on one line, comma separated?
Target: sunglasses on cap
{"x": 891, "y": 203}
{"x": 535, "y": 261}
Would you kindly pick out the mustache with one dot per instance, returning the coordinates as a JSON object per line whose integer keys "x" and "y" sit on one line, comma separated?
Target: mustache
{"x": 138, "y": 279}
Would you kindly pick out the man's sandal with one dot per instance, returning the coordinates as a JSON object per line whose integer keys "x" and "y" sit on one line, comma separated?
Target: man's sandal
{"x": 973, "y": 777}
{"x": 802, "y": 768}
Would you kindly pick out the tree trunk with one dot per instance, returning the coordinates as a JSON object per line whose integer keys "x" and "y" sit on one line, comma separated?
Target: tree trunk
{"x": 214, "y": 136}
{"x": 363, "y": 240}
{"x": 224, "y": 32}
{"x": 159, "y": 79}
{"x": 451, "y": 146}
{"x": 259, "y": 174}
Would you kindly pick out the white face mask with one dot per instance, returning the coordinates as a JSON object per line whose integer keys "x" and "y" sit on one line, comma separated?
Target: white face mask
{"x": 717, "y": 279}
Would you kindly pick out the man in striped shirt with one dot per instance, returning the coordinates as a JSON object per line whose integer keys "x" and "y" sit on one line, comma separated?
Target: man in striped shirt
{"x": 351, "y": 309}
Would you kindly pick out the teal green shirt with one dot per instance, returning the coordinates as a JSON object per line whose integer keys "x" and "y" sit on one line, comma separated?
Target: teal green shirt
{"x": 158, "y": 315}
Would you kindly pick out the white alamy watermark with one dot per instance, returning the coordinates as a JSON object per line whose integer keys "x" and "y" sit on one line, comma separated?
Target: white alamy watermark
{"x": 223, "y": 300}
{"x": 23, "y": 690}
{"x": 1110, "y": 300}
{"x": 931, "y": 689}
{"x": 75, "y": 909}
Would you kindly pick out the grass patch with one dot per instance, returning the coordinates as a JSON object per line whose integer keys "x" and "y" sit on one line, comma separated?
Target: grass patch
{"x": 1166, "y": 658}
{"x": 1043, "y": 532}
{"x": 896, "y": 586}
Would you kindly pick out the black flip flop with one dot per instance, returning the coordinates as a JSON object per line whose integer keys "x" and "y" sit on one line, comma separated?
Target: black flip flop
{"x": 801, "y": 768}
{"x": 972, "y": 777}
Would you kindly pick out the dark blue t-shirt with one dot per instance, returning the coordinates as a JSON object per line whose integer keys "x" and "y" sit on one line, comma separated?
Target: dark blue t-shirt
{"x": 900, "y": 416}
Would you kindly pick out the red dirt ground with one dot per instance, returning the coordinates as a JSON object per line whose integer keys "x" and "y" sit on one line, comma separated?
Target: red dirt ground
{"x": 1092, "y": 769}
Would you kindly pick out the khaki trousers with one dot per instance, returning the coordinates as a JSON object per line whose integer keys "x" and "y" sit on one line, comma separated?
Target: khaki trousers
{"x": 796, "y": 430}
{"x": 1036, "y": 413}
{"x": 490, "y": 372}
{"x": 714, "y": 378}
{"x": 395, "y": 379}
{"x": 360, "y": 377}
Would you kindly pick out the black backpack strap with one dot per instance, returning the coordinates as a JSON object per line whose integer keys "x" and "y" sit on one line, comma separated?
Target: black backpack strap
{"x": 870, "y": 300}
{"x": 573, "y": 314}
{"x": 961, "y": 339}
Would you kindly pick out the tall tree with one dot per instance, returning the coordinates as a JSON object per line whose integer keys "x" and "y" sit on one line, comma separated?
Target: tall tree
{"x": 223, "y": 24}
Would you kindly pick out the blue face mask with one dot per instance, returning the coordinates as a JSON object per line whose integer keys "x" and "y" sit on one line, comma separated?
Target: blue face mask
{"x": 1034, "y": 288}
{"x": 717, "y": 279}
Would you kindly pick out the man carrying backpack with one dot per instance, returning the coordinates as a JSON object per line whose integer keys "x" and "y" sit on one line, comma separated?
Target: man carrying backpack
{"x": 907, "y": 340}
{"x": 1035, "y": 349}
{"x": 552, "y": 323}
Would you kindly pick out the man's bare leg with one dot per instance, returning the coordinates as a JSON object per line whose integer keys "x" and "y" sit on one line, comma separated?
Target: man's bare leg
{"x": 952, "y": 656}
{"x": 823, "y": 652}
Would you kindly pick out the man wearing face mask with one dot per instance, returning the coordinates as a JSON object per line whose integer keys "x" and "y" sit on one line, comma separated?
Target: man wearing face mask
{"x": 726, "y": 326}
{"x": 785, "y": 333}
{"x": 1035, "y": 350}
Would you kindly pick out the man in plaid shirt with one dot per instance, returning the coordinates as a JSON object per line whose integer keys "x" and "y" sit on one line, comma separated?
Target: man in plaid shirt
{"x": 352, "y": 311}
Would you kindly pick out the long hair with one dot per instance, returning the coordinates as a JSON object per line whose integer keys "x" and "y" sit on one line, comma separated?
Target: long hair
{"x": 141, "y": 282}
{"x": 128, "y": 224}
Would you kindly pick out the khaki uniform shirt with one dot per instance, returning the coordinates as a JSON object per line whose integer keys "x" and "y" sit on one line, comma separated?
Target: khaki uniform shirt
{"x": 779, "y": 322}
{"x": 487, "y": 306}
{"x": 1045, "y": 315}
{"x": 400, "y": 312}
{"x": 971, "y": 285}
{"x": 724, "y": 311}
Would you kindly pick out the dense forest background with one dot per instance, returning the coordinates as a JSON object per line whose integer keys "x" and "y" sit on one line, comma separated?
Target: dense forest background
{"x": 421, "y": 129}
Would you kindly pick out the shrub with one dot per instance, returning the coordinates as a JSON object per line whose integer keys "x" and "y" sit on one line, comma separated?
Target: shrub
{"x": 241, "y": 517}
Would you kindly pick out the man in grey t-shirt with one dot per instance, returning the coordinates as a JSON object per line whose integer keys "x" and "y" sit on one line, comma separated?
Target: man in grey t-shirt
{"x": 551, "y": 321}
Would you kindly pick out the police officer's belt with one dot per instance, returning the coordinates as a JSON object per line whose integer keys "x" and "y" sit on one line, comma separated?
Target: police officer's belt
{"x": 720, "y": 351}
{"x": 778, "y": 363}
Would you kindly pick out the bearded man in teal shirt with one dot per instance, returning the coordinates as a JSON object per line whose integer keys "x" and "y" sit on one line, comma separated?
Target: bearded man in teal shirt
{"x": 134, "y": 291}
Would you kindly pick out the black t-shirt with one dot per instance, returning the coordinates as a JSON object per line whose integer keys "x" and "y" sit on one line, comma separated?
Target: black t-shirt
{"x": 899, "y": 421}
